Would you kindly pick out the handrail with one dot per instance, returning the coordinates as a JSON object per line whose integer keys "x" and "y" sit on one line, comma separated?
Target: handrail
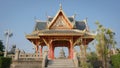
{"x": 45, "y": 60}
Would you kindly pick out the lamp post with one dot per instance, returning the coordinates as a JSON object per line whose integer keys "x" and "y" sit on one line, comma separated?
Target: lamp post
{"x": 8, "y": 34}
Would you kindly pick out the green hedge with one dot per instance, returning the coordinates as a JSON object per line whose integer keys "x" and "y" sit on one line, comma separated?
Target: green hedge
{"x": 115, "y": 59}
{"x": 5, "y": 62}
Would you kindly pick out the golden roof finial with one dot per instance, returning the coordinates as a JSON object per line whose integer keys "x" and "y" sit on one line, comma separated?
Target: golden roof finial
{"x": 60, "y": 6}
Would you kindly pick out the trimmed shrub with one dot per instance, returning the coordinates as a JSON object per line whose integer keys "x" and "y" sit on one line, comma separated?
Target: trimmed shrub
{"x": 115, "y": 61}
{"x": 5, "y": 62}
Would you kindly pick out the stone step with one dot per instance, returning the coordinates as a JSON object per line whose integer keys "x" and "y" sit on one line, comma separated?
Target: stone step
{"x": 61, "y": 60}
{"x": 62, "y": 67}
{"x": 61, "y": 63}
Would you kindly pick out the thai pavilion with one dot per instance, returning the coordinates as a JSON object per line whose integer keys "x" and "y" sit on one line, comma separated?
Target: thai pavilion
{"x": 61, "y": 31}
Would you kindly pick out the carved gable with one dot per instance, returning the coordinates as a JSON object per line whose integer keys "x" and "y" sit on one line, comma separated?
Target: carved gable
{"x": 60, "y": 21}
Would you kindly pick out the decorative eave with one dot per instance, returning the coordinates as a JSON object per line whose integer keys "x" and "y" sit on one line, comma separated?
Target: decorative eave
{"x": 72, "y": 32}
{"x": 32, "y": 37}
{"x": 86, "y": 37}
{"x": 89, "y": 35}
{"x": 60, "y": 11}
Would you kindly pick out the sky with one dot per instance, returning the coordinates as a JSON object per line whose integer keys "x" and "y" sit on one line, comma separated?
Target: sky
{"x": 19, "y": 16}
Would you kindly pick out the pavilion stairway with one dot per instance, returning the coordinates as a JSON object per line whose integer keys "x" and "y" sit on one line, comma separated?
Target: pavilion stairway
{"x": 61, "y": 63}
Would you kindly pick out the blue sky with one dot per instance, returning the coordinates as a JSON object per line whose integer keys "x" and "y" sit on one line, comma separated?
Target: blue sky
{"x": 19, "y": 16}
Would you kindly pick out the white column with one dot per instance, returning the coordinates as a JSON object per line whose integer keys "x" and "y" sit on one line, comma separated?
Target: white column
{"x": 17, "y": 52}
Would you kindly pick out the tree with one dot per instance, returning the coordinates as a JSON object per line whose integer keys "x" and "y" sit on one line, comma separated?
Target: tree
{"x": 8, "y": 34}
{"x": 1, "y": 48}
{"x": 115, "y": 59}
{"x": 105, "y": 42}
{"x": 118, "y": 50}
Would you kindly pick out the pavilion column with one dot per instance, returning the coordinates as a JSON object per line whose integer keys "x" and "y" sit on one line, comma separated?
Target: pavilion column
{"x": 37, "y": 47}
{"x": 71, "y": 50}
{"x": 41, "y": 50}
{"x": 82, "y": 57}
{"x": 52, "y": 52}
{"x": 85, "y": 49}
{"x": 83, "y": 52}
{"x": 49, "y": 52}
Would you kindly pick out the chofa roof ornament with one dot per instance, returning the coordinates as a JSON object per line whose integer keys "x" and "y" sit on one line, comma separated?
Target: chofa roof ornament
{"x": 60, "y": 6}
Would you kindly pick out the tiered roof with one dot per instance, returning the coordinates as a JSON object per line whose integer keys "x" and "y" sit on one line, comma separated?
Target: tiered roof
{"x": 46, "y": 28}
{"x": 80, "y": 25}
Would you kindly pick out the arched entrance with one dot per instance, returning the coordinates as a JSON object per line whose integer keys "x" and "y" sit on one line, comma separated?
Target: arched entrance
{"x": 60, "y": 43}
{"x": 58, "y": 52}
